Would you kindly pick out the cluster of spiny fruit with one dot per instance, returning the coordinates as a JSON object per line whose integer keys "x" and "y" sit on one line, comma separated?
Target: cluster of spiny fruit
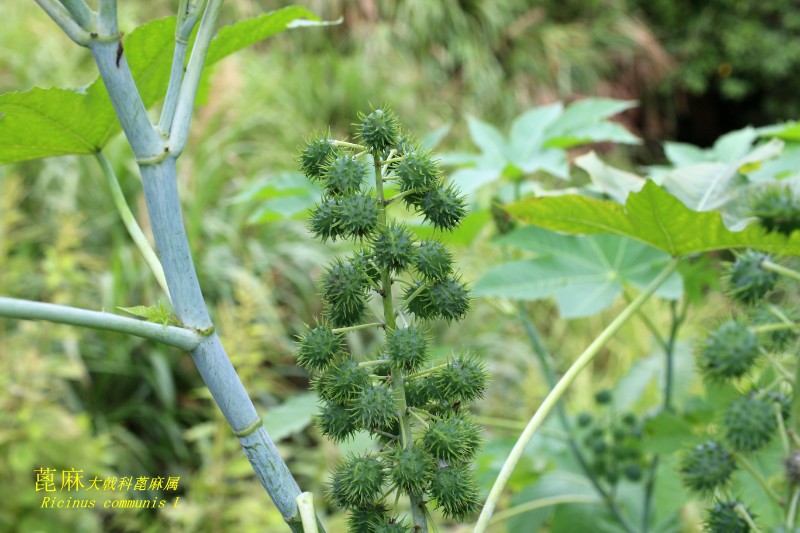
{"x": 426, "y": 439}
{"x": 751, "y": 421}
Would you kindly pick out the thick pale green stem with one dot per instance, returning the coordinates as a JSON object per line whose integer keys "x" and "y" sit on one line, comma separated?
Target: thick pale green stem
{"x": 157, "y": 166}
{"x": 64, "y": 19}
{"x": 560, "y": 389}
{"x": 418, "y": 511}
{"x": 129, "y": 221}
{"x": 179, "y": 129}
{"x": 183, "y": 338}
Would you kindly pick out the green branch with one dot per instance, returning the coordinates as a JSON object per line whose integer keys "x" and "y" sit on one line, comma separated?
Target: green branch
{"x": 182, "y": 338}
{"x": 129, "y": 221}
{"x": 560, "y": 389}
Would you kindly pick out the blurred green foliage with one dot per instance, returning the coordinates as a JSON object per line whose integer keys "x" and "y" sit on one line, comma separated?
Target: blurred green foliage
{"x": 735, "y": 48}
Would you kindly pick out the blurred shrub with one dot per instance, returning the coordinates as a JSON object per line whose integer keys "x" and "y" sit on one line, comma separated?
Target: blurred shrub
{"x": 734, "y": 48}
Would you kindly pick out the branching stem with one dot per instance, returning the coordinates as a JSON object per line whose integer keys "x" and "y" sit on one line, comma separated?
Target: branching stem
{"x": 558, "y": 391}
{"x": 182, "y": 338}
{"x": 130, "y": 223}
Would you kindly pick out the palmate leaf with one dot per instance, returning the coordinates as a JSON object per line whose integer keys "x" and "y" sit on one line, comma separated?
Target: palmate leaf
{"x": 537, "y": 141}
{"x": 50, "y": 122}
{"x": 652, "y": 216}
{"x": 585, "y": 274}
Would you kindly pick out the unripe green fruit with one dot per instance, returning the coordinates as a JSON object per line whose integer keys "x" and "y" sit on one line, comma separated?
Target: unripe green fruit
{"x": 393, "y": 248}
{"x": 729, "y": 351}
{"x": 358, "y": 215}
{"x": 778, "y": 208}
{"x": 392, "y": 527}
{"x": 343, "y": 175}
{"x": 315, "y": 155}
{"x": 374, "y": 408}
{"x": 748, "y": 282}
{"x": 420, "y": 392}
{"x": 447, "y": 299}
{"x": 443, "y": 207}
{"x": 365, "y": 262}
{"x": 778, "y": 339}
{"x": 411, "y": 469}
{"x": 632, "y": 472}
{"x": 453, "y": 440}
{"x": 603, "y": 397}
{"x": 584, "y": 420}
{"x": 462, "y": 380}
{"x": 324, "y": 220}
{"x": 344, "y": 290}
{"x": 318, "y": 347}
{"x": 455, "y": 490}
{"x": 407, "y": 348}
{"x": 365, "y": 519}
{"x": 357, "y": 482}
{"x": 336, "y": 422}
{"x": 707, "y": 467}
{"x": 749, "y": 423}
{"x": 723, "y": 518}
{"x": 434, "y": 261}
{"x": 417, "y": 171}
{"x": 343, "y": 382}
{"x": 379, "y": 130}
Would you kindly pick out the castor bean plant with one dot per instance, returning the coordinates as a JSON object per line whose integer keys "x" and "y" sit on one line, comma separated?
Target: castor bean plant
{"x": 417, "y": 412}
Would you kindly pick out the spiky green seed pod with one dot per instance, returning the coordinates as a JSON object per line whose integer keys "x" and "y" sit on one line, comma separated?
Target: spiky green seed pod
{"x": 356, "y": 482}
{"x": 447, "y": 299}
{"x": 778, "y": 208}
{"x": 443, "y": 207}
{"x": 343, "y": 175}
{"x": 453, "y": 440}
{"x": 392, "y": 526}
{"x": 747, "y": 281}
{"x": 315, "y": 155}
{"x": 318, "y": 347}
{"x": 603, "y": 397}
{"x": 777, "y": 339}
{"x": 324, "y": 220}
{"x": 707, "y": 467}
{"x": 342, "y": 382}
{"x": 462, "y": 380}
{"x": 366, "y": 519}
{"x": 366, "y": 262}
{"x": 374, "y": 408}
{"x": 407, "y": 348}
{"x": 434, "y": 261}
{"x": 632, "y": 472}
{"x": 420, "y": 392}
{"x": 728, "y": 352}
{"x": 336, "y": 422}
{"x": 411, "y": 469}
{"x": 418, "y": 171}
{"x": 393, "y": 247}
{"x": 584, "y": 420}
{"x": 455, "y": 491}
{"x": 379, "y": 130}
{"x": 358, "y": 215}
{"x": 723, "y": 518}
{"x": 749, "y": 423}
{"x": 344, "y": 290}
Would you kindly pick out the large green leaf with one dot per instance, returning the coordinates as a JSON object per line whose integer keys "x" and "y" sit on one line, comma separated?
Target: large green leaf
{"x": 50, "y": 122}
{"x": 652, "y": 216}
{"x": 537, "y": 141}
{"x": 584, "y": 274}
